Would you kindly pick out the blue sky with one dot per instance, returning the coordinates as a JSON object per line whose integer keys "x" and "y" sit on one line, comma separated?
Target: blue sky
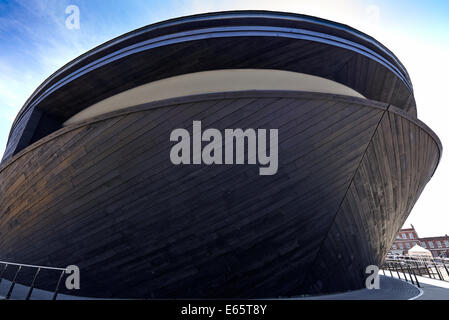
{"x": 34, "y": 42}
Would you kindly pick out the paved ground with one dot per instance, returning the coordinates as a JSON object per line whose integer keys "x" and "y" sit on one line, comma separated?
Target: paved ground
{"x": 395, "y": 289}
{"x": 20, "y": 292}
{"x": 433, "y": 289}
{"x": 390, "y": 289}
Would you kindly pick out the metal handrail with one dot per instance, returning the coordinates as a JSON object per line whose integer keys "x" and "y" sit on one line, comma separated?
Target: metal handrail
{"x": 36, "y": 274}
{"x": 31, "y": 266}
{"x": 433, "y": 267}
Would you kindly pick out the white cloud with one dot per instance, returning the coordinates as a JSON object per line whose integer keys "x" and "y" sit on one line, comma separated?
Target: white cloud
{"x": 373, "y": 14}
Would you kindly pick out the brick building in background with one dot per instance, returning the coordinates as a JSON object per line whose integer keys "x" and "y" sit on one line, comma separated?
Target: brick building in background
{"x": 408, "y": 237}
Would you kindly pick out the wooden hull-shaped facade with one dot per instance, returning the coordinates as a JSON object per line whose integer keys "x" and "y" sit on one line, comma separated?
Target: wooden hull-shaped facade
{"x": 104, "y": 195}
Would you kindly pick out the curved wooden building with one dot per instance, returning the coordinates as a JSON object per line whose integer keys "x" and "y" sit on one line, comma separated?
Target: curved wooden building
{"x": 87, "y": 178}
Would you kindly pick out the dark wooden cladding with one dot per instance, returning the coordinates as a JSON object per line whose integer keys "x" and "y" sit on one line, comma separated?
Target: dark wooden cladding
{"x": 104, "y": 195}
{"x": 227, "y": 40}
{"x": 398, "y": 163}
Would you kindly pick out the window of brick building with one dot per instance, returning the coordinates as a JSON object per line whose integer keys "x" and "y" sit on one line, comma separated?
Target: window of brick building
{"x": 431, "y": 244}
{"x": 404, "y": 236}
{"x": 410, "y": 235}
{"x": 423, "y": 244}
{"x": 439, "y": 244}
{"x": 401, "y": 246}
{"x": 446, "y": 242}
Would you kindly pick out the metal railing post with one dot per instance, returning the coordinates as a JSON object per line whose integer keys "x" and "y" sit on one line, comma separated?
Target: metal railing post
{"x": 428, "y": 271}
{"x": 57, "y": 286}
{"x": 397, "y": 270}
{"x": 403, "y": 273}
{"x": 417, "y": 267}
{"x": 11, "y": 288}
{"x": 438, "y": 271}
{"x": 416, "y": 279}
{"x": 32, "y": 284}
{"x": 445, "y": 268}
{"x": 410, "y": 274}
